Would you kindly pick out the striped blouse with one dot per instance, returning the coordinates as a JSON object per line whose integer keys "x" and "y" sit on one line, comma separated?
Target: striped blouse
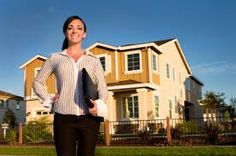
{"x": 69, "y": 82}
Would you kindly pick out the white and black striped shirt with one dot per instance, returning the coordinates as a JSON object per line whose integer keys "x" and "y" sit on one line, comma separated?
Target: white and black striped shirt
{"x": 69, "y": 81}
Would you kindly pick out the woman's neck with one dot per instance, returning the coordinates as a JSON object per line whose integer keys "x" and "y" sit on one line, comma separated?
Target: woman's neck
{"x": 75, "y": 52}
{"x": 73, "y": 49}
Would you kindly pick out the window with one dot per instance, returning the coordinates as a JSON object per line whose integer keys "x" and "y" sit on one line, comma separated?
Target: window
{"x": 180, "y": 81}
{"x": 1, "y": 103}
{"x": 17, "y": 105}
{"x": 7, "y": 103}
{"x": 173, "y": 74}
{"x": 187, "y": 84}
{"x": 167, "y": 70}
{"x": 103, "y": 62}
{"x": 130, "y": 107}
{"x": 176, "y": 105}
{"x": 36, "y": 71}
{"x": 170, "y": 108}
{"x": 154, "y": 62}
{"x": 133, "y": 62}
{"x": 133, "y": 106}
{"x": 156, "y": 105}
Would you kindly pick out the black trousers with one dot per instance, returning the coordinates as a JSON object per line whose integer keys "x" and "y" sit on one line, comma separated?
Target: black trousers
{"x": 75, "y": 135}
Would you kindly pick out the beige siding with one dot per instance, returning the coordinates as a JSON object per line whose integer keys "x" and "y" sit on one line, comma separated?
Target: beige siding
{"x": 30, "y": 75}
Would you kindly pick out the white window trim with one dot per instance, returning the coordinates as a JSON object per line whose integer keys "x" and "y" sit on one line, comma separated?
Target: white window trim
{"x": 169, "y": 70}
{"x": 157, "y": 63}
{"x": 154, "y": 105}
{"x": 140, "y": 61}
{"x": 106, "y": 62}
{"x": 122, "y": 106}
{"x": 35, "y": 71}
{"x": 170, "y": 99}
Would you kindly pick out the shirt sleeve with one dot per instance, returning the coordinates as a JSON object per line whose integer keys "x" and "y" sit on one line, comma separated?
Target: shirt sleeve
{"x": 40, "y": 81}
{"x": 102, "y": 109}
{"x": 102, "y": 91}
{"x": 102, "y": 87}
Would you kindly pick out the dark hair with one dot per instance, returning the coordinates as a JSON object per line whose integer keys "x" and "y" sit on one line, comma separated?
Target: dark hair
{"x": 67, "y": 22}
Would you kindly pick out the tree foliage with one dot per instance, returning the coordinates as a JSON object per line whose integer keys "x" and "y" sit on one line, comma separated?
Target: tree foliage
{"x": 214, "y": 100}
{"x": 9, "y": 118}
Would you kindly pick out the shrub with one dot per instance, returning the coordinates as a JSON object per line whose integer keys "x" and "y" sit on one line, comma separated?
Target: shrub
{"x": 11, "y": 136}
{"x": 37, "y": 131}
{"x": 212, "y": 132}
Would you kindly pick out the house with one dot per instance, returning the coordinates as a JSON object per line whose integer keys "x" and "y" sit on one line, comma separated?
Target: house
{"x": 149, "y": 80}
{"x": 13, "y": 102}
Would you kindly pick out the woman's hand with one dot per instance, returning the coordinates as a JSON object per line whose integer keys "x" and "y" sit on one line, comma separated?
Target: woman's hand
{"x": 55, "y": 98}
{"x": 94, "y": 110}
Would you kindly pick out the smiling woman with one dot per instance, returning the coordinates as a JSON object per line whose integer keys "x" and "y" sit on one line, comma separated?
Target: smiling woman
{"x": 80, "y": 123}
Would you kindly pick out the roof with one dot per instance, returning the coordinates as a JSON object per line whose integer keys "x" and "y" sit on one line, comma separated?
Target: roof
{"x": 32, "y": 59}
{"x": 197, "y": 80}
{"x": 160, "y": 42}
{"x": 4, "y": 93}
{"x": 126, "y": 47}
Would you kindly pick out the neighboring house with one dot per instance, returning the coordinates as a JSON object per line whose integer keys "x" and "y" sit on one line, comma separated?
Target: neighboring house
{"x": 13, "y": 102}
{"x": 145, "y": 81}
{"x": 34, "y": 109}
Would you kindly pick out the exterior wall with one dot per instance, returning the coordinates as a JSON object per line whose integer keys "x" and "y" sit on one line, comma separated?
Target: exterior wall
{"x": 174, "y": 85}
{"x": 35, "y": 111}
{"x": 30, "y": 73}
{"x": 16, "y": 105}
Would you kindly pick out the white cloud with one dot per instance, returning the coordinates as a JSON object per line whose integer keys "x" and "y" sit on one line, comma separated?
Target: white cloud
{"x": 215, "y": 68}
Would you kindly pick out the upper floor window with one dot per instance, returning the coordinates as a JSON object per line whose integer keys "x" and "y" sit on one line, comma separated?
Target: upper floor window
{"x": 173, "y": 73}
{"x": 154, "y": 62}
{"x": 167, "y": 70}
{"x": 187, "y": 84}
{"x": 17, "y": 105}
{"x": 36, "y": 71}
{"x": 103, "y": 62}
{"x": 1, "y": 103}
{"x": 133, "y": 62}
{"x": 7, "y": 103}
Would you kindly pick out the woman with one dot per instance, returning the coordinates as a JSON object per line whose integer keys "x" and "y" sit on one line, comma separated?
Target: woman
{"x": 75, "y": 124}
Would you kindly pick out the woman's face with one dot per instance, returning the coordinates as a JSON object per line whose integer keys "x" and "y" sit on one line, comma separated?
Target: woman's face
{"x": 75, "y": 32}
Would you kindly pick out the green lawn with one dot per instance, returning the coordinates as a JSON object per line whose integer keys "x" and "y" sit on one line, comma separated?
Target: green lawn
{"x": 126, "y": 151}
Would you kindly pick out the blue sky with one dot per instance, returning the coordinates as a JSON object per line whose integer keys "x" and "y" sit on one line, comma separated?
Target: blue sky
{"x": 206, "y": 30}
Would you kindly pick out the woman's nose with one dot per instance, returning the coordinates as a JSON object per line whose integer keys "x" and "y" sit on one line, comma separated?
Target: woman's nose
{"x": 74, "y": 30}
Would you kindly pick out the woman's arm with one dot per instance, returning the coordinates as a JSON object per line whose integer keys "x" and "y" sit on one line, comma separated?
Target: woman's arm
{"x": 40, "y": 80}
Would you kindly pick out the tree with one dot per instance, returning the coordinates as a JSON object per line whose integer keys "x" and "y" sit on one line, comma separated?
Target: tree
{"x": 232, "y": 105}
{"x": 9, "y": 118}
{"x": 213, "y": 102}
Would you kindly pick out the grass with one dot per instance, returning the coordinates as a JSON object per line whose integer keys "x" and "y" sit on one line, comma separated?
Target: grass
{"x": 127, "y": 151}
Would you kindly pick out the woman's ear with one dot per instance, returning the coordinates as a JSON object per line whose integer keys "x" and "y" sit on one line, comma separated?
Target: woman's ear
{"x": 84, "y": 36}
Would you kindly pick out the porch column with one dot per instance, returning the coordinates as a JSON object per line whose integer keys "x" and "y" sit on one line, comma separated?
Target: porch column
{"x": 111, "y": 106}
{"x": 142, "y": 103}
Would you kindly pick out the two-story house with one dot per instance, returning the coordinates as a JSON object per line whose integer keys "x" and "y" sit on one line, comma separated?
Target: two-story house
{"x": 13, "y": 102}
{"x": 149, "y": 80}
